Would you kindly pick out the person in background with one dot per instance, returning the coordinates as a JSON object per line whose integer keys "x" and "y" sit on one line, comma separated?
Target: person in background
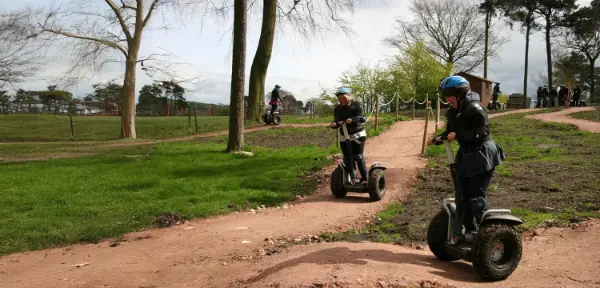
{"x": 545, "y": 95}
{"x": 539, "y": 98}
{"x": 553, "y": 96}
{"x": 275, "y": 98}
{"x": 563, "y": 93}
{"x": 576, "y": 96}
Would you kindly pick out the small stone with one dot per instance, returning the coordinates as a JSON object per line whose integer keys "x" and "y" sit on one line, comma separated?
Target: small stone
{"x": 315, "y": 238}
{"x": 245, "y": 153}
{"x": 224, "y": 264}
{"x": 419, "y": 247}
{"x": 262, "y": 252}
{"x": 297, "y": 240}
{"x": 245, "y": 241}
{"x": 382, "y": 284}
{"x": 81, "y": 265}
{"x": 538, "y": 231}
{"x": 114, "y": 244}
{"x": 298, "y": 197}
{"x": 284, "y": 206}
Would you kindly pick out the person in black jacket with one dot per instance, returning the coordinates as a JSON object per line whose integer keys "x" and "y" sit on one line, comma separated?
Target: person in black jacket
{"x": 275, "y": 98}
{"x": 553, "y": 96}
{"x": 350, "y": 112}
{"x": 539, "y": 98}
{"x": 576, "y": 96}
{"x": 477, "y": 155}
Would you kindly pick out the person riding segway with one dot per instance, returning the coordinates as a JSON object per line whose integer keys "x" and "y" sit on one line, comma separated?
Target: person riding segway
{"x": 273, "y": 115}
{"x": 348, "y": 115}
{"x": 486, "y": 231}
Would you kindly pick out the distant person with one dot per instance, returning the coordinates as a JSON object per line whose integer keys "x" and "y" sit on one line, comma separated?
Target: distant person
{"x": 576, "y": 96}
{"x": 539, "y": 97}
{"x": 563, "y": 93}
{"x": 496, "y": 92}
{"x": 545, "y": 95}
{"x": 275, "y": 98}
{"x": 553, "y": 96}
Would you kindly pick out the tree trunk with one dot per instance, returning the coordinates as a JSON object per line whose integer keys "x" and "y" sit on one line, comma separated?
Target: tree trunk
{"x": 260, "y": 64}
{"x": 548, "y": 52}
{"x": 128, "y": 97}
{"x": 527, "y": 34}
{"x": 592, "y": 77}
{"x": 486, "y": 44}
{"x": 238, "y": 67}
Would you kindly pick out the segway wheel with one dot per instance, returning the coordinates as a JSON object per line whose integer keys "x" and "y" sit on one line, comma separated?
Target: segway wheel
{"x": 377, "y": 184}
{"x": 497, "y": 251}
{"x": 266, "y": 119}
{"x": 437, "y": 234}
{"x": 337, "y": 183}
{"x": 276, "y": 120}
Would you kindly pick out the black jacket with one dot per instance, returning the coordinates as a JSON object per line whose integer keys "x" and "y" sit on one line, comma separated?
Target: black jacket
{"x": 477, "y": 153}
{"x": 353, "y": 111}
{"x": 275, "y": 94}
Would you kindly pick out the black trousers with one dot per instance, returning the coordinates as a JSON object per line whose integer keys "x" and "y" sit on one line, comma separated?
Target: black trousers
{"x": 273, "y": 109}
{"x": 357, "y": 151}
{"x": 473, "y": 188}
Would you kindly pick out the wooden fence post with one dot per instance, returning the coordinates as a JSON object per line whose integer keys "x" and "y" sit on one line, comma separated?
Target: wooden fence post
{"x": 427, "y": 112}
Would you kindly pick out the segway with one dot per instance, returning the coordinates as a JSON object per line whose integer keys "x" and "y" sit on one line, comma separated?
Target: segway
{"x": 495, "y": 250}
{"x": 272, "y": 118}
{"x": 342, "y": 181}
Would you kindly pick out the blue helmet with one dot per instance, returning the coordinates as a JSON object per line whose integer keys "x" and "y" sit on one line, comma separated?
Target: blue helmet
{"x": 342, "y": 91}
{"x": 454, "y": 86}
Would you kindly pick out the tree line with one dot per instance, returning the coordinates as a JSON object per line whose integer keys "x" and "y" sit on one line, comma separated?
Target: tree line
{"x": 445, "y": 35}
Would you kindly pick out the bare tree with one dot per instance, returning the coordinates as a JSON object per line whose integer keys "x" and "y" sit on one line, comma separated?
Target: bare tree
{"x": 523, "y": 13}
{"x": 453, "y": 30}
{"x": 111, "y": 32}
{"x": 17, "y": 50}
{"x": 307, "y": 17}
{"x": 583, "y": 36}
{"x": 553, "y": 12}
{"x": 238, "y": 76}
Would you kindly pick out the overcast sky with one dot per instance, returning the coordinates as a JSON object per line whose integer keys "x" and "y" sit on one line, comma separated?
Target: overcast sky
{"x": 300, "y": 67}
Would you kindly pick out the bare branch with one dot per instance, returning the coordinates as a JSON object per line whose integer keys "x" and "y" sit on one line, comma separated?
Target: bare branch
{"x": 452, "y": 30}
{"x": 152, "y": 7}
{"x": 99, "y": 40}
{"x": 121, "y": 20}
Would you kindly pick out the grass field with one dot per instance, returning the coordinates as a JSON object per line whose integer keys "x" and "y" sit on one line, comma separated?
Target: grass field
{"x": 588, "y": 115}
{"x": 50, "y": 128}
{"x": 549, "y": 178}
{"x": 85, "y": 199}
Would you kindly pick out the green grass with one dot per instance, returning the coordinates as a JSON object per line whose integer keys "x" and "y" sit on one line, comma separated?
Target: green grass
{"x": 549, "y": 178}
{"x": 86, "y": 199}
{"x": 25, "y": 127}
{"x": 593, "y": 115}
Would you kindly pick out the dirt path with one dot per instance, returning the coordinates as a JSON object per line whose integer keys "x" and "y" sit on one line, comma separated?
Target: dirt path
{"x": 559, "y": 257}
{"x": 229, "y": 251}
{"x": 563, "y": 117}
{"x": 197, "y": 253}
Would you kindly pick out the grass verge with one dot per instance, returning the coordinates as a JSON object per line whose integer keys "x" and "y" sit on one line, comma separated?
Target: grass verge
{"x": 59, "y": 202}
{"x": 549, "y": 178}
{"x": 593, "y": 115}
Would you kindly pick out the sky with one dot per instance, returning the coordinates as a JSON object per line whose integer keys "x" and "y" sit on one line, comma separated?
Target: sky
{"x": 302, "y": 67}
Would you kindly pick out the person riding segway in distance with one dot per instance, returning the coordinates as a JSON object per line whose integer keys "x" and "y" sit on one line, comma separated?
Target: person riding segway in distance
{"x": 350, "y": 111}
{"x": 477, "y": 156}
{"x": 275, "y": 98}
